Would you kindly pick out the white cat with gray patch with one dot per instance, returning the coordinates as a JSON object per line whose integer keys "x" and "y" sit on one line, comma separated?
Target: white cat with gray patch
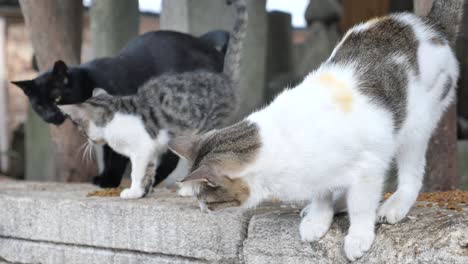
{"x": 379, "y": 96}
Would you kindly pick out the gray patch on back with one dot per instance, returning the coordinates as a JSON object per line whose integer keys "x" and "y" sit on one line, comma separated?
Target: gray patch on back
{"x": 382, "y": 79}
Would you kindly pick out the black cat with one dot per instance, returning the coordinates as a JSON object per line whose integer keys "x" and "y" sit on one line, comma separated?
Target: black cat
{"x": 146, "y": 56}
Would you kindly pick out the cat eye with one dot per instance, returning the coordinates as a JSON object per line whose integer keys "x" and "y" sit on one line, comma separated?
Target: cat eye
{"x": 58, "y": 99}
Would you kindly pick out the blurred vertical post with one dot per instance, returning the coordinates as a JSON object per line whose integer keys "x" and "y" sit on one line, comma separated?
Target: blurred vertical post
{"x": 113, "y": 24}
{"x": 201, "y": 16}
{"x": 55, "y": 27}
{"x": 279, "y": 63}
{"x": 462, "y": 52}
{"x": 441, "y": 168}
{"x": 4, "y": 131}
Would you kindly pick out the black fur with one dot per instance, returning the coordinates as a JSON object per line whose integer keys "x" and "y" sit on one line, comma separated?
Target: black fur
{"x": 216, "y": 38}
{"x": 146, "y": 56}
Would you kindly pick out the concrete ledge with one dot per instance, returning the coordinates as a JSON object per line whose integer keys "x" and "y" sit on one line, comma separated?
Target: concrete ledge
{"x": 162, "y": 224}
{"x": 57, "y": 223}
{"x": 426, "y": 236}
{"x": 24, "y": 251}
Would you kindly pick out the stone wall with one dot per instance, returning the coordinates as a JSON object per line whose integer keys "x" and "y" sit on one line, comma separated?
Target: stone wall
{"x": 57, "y": 223}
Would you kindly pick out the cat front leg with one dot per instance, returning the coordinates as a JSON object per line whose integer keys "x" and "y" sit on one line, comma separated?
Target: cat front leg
{"x": 316, "y": 217}
{"x": 363, "y": 198}
{"x": 138, "y": 187}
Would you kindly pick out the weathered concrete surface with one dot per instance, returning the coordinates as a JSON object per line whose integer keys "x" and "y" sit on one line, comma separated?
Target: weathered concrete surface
{"x": 162, "y": 223}
{"x": 24, "y": 251}
{"x": 428, "y": 235}
{"x": 57, "y": 223}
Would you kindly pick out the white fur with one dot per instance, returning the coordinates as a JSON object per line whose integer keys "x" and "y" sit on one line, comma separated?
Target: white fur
{"x": 312, "y": 148}
{"x": 126, "y": 135}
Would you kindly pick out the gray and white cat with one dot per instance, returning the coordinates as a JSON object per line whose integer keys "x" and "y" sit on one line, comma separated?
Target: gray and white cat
{"x": 140, "y": 126}
{"x": 379, "y": 96}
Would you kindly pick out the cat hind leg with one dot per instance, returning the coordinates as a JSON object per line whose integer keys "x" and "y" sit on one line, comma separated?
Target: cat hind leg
{"x": 411, "y": 160}
{"x": 141, "y": 181}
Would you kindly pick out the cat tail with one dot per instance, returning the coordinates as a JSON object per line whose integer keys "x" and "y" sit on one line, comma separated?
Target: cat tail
{"x": 236, "y": 41}
{"x": 447, "y": 16}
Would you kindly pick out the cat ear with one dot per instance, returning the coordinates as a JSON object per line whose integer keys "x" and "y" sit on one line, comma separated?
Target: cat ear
{"x": 59, "y": 71}
{"x": 26, "y": 85}
{"x": 184, "y": 146}
{"x": 60, "y": 67}
{"x": 203, "y": 174}
{"x": 99, "y": 91}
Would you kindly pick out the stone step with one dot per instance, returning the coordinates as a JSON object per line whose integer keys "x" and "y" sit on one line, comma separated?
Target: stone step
{"x": 56, "y": 223}
{"x": 162, "y": 223}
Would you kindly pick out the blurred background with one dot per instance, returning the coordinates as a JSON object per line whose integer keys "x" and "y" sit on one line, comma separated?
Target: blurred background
{"x": 285, "y": 41}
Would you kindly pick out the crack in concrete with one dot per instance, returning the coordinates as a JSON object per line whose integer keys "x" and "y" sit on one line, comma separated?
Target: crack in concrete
{"x": 9, "y": 262}
{"x": 113, "y": 250}
{"x": 244, "y": 234}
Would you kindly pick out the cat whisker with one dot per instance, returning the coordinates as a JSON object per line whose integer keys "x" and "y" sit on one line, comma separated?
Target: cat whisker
{"x": 87, "y": 151}
{"x": 90, "y": 150}
{"x": 82, "y": 150}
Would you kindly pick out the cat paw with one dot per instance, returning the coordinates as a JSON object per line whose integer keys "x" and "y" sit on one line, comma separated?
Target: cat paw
{"x": 356, "y": 245}
{"x": 186, "y": 190}
{"x": 312, "y": 230}
{"x": 314, "y": 224}
{"x": 394, "y": 209}
{"x": 132, "y": 193}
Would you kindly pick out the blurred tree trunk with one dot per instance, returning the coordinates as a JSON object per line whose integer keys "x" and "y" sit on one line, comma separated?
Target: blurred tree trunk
{"x": 441, "y": 168}
{"x": 357, "y": 11}
{"x": 55, "y": 28}
{"x": 113, "y": 24}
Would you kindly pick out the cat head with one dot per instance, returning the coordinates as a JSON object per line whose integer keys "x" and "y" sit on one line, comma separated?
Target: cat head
{"x": 91, "y": 116}
{"x": 61, "y": 85}
{"x": 217, "y": 158}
